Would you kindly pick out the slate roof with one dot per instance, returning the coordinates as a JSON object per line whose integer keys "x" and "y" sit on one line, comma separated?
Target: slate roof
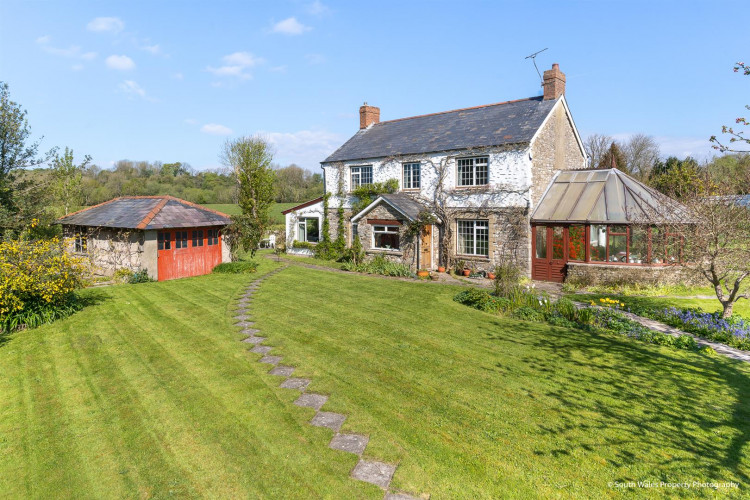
{"x": 146, "y": 212}
{"x": 605, "y": 196}
{"x": 511, "y": 122}
{"x": 401, "y": 202}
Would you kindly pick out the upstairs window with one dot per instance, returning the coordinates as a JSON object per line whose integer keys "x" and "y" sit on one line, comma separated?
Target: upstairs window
{"x": 412, "y": 176}
{"x": 473, "y": 171}
{"x": 198, "y": 238}
{"x": 213, "y": 236}
{"x": 385, "y": 237}
{"x": 361, "y": 176}
{"x": 180, "y": 239}
{"x": 164, "y": 241}
{"x": 473, "y": 237}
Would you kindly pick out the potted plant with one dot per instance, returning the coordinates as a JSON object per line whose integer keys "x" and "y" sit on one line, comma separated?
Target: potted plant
{"x": 441, "y": 269}
{"x": 460, "y": 265}
{"x": 466, "y": 271}
{"x": 423, "y": 273}
{"x": 490, "y": 275}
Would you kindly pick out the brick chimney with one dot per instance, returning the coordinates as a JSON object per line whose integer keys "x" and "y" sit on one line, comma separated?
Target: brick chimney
{"x": 554, "y": 83}
{"x": 368, "y": 115}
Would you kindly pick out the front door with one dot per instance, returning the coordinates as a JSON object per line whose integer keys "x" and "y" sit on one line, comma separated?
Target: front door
{"x": 425, "y": 261}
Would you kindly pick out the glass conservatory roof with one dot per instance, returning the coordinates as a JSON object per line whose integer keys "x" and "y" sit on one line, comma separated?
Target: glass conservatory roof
{"x": 604, "y": 196}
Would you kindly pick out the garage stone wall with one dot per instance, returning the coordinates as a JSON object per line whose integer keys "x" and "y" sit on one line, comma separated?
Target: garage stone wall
{"x": 405, "y": 254}
{"x": 607, "y": 274}
{"x": 112, "y": 249}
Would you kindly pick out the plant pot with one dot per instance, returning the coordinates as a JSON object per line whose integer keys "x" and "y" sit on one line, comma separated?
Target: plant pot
{"x": 441, "y": 269}
{"x": 466, "y": 272}
{"x": 434, "y": 277}
{"x": 423, "y": 274}
{"x": 491, "y": 276}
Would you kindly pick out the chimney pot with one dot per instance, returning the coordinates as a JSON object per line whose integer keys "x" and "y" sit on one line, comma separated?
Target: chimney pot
{"x": 554, "y": 83}
{"x": 368, "y": 115}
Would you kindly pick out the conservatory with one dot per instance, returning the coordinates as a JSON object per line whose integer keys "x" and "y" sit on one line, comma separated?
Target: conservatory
{"x": 605, "y": 218}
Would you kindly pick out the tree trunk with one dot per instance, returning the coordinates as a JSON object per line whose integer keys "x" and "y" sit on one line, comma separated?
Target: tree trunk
{"x": 728, "y": 306}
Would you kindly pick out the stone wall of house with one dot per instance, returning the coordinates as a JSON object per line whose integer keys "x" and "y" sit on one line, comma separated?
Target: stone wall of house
{"x": 405, "y": 254}
{"x": 608, "y": 274}
{"x": 509, "y": 238}
{"x": 333, "y": 218}
{"x": 554, "y": 148}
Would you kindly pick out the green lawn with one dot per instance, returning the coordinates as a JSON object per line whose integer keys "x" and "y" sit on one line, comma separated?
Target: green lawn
{"x": 232, "y": 209}
{"x": 149, "y": 393}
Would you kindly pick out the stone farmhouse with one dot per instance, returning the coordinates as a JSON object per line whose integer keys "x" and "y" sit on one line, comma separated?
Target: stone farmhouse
{"x": 471, "y": 181}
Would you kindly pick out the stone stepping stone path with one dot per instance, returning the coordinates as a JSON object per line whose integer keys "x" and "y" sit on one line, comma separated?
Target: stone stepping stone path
{"x": 370, "y": 471}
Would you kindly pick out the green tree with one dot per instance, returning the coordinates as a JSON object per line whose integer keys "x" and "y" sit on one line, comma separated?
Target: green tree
{"x": 66, "y": 180}
{"x": 250, "y": 159}
{"x": 677, "y": 178}
{"x": 15, "y": 154}
{"x": 613, "y": 158}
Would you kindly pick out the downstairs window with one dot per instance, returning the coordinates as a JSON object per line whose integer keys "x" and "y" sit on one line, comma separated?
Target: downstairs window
{"x": 385, "y": 237}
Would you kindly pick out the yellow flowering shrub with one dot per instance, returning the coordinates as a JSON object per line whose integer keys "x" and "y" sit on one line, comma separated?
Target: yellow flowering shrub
{"x": 37, "y": 276}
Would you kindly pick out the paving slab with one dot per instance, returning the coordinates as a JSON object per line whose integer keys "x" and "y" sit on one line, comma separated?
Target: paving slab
{"x": 328, "y": 419}
{"x": 282, "y": 371}
{"x": 295, "y": 383}
{"x": 242, "y": 317}
{"x": 309, "y": 400}
{"x": 244, "y": 324}
{"x": 254, "y": 340}
{"x": 250, "y": 331}
{"x": 261, "y": 349}
{"x": 377, "y": 473}
{"x": 353, "y": 443}
{"x": 271, "y": 360}
{"x": 399, "y": 496}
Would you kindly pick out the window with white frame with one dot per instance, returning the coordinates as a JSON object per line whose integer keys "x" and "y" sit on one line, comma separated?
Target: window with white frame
{"x": 361, "y": 176}
{"x": 308, "y": 229}
{"x": 412, "y": 176}
{"x": 385, "y": 237}
{"x": 474, "y": 237}
{"x": 473, "y": 171}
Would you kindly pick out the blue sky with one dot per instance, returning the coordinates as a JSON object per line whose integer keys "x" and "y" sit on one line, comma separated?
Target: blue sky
{"x": 171, "y": 81}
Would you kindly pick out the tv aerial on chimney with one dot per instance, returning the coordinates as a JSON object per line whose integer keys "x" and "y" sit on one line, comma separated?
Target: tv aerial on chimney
{"x": 533, "y": 59}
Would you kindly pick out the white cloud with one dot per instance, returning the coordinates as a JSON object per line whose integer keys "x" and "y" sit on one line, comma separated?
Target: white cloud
{"x": 306, "y": 148}
{"x": 215, "y": 129}
{"x": 77, "y": 67}
{"x": 315, "y": 58}
{"x": 290, "y": 26}
{"x": 178, "y": 76}
{"x": 121, "y": 63}
{"x": 279, "y": 69}
{"x": 132, "y": 88}
{"x": 236, "y": 65}
{"x": 681, "y": 147}
{"x": 106, "y": 25}
{"x": 317, "y": 8}
{"x": 153, "y": 49}
{"x": 74, "y": 51}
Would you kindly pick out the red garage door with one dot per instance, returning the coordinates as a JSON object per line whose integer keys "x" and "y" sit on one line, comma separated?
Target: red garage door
{"x": 187, "y": 252}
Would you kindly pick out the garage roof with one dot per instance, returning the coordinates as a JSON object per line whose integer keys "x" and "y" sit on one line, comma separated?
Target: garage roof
{"x": 146, "y": 212}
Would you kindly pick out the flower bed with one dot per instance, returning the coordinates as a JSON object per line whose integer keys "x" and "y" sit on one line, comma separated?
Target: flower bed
{"x": 734, "y": 331}
{"x": 526, "y": 305}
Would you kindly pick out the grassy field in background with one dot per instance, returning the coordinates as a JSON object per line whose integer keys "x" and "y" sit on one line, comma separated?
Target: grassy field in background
{"x": 232, "y": 209}
{"x": 150, "y": 394}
